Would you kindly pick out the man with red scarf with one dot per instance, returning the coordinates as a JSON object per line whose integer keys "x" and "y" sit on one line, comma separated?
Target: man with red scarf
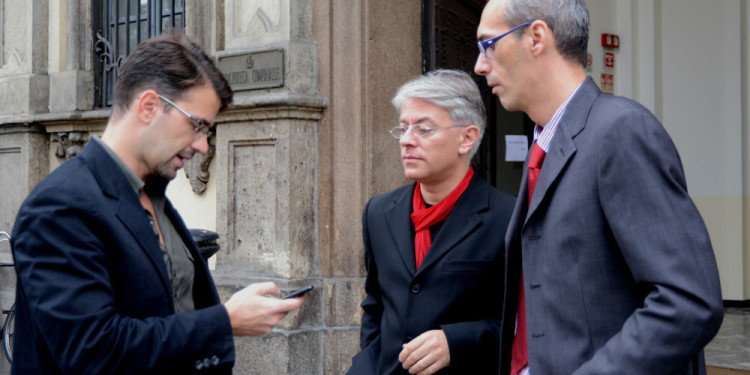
{"x": 434, "y": 249}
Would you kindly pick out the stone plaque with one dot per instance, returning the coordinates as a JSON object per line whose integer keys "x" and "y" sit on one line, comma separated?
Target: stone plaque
{"x": 254, "y": 70}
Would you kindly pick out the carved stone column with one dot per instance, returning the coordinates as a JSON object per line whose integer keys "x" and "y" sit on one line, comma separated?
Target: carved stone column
{"x": 24, "y": 161}
{"x": 23, "y": 57}
{"x": 266, "y": 155}
{"x": 71, "y": 71}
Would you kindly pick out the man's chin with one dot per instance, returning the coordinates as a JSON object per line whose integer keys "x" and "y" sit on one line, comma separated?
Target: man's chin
{"x": 167, "y": 174}
{"x": 413, "y": 175}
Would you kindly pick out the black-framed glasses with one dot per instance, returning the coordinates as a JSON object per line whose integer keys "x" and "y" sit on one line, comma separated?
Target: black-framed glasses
{"x": 199, "y": 125}
{"x": 484, "y": 45}
{"x": 418, "y": 129}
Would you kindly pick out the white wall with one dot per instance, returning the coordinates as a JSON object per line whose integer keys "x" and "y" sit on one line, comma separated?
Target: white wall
{"x": 683, "y": 59}
{"x": 198, "y": 211}
{"x": 701, "y": 108}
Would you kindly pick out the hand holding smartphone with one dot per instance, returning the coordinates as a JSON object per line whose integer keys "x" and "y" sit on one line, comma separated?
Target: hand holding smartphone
{"x": 299, "y": 292}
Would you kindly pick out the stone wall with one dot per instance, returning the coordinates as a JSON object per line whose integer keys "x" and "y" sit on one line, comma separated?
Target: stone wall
{"x": 300, "y": 152}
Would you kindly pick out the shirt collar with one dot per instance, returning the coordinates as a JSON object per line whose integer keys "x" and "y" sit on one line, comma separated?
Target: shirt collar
{"x": 543, "y": 135}
{"x": 135, "y": 182}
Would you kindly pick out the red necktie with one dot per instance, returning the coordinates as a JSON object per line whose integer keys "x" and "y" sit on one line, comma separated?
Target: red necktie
{"x": 519, "y": 351}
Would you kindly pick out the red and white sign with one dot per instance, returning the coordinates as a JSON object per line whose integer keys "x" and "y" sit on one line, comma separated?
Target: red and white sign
{"x": 609, "y": 60}
{"x": 611, "y": 41}
{"x": 608, "y": 83}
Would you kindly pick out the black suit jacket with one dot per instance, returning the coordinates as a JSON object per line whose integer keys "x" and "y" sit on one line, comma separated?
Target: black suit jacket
{"x": 93, "y": 295}
{"x": 456, "y": 288}
{"x": 619, "y": 274}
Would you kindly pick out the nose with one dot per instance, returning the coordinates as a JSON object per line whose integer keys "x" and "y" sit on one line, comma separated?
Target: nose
{"x": 482, "y": 66}
{"x": 408, "y": 138}
{"x": 200, "y": 143}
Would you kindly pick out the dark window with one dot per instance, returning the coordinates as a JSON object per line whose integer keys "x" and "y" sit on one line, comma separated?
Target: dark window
{"x": 119, "y": 25}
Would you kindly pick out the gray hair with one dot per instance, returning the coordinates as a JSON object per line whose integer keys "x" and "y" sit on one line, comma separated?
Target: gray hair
{"x": 568, "y": 19}
{"x": 451, "y": 89}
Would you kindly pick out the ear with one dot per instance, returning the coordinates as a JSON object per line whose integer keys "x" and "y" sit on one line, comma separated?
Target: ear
{"x": 541, "y": 37}
{"x": 469, "y": 137}
{"x": 147, "y": 105}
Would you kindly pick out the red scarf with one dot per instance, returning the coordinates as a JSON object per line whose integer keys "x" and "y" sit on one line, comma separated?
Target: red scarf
{"x": 423, "y": 218}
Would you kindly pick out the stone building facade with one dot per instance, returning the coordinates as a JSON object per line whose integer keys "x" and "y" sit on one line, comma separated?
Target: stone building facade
{"x": 294, "y": 159}
{"x": 306, "y": 143}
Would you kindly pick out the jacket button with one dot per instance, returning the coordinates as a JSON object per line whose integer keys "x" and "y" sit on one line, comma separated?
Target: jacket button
{"x": 537, "y": 335}
{"x": 198, "y": 364}
{"x": 407, "y": 339}
{"x": 415, "y": 289}
{"x": 535, "y": 286}
{"x": 534, "y": 238}
{"x": 215, "y": 360}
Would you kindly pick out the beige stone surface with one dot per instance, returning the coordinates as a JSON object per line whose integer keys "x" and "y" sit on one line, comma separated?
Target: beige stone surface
{"x": 279, "y": 353}
{"x": 71, "y": 91}
{"x": 340, "y": 346}
{"x": 366, "y": 51}
{"x": 266, "y": 212}
{"x": 342, "y": 300}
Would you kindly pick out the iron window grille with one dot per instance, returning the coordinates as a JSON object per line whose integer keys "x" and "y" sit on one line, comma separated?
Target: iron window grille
{"x": 119, "y": 25}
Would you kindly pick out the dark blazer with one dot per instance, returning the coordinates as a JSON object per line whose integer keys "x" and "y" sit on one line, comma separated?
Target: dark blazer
{"x": 93, "y": 295}
{"x": 619, "y": 273}
{"x": 456, "y": 288}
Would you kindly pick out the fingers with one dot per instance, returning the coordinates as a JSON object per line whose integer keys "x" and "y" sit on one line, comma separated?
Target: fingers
{"x": 291, "y": 304}
{"x": 426, "y": 354}
{"x": 253, "y": 314}
{"x": 260, "y": 289}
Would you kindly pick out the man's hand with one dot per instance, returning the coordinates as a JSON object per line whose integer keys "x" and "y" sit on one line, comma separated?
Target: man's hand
{"x": 426, "y": 354}
{"x": 251, "y": 314}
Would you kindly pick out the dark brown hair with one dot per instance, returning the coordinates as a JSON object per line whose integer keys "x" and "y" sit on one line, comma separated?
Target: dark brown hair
{"x": 171, "y": 64}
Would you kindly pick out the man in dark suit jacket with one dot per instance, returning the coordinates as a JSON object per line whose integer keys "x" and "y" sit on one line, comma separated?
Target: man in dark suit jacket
{"x": 426, "y": 311}
{"x": 109, "y": 279}
{"x": 607, "y": 253}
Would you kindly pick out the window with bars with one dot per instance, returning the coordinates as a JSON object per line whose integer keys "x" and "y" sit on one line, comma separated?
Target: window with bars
{"x": 118, "y": 28}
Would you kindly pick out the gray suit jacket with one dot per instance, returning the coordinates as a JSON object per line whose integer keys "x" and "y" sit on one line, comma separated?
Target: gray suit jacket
{"x": 619, "y": 273}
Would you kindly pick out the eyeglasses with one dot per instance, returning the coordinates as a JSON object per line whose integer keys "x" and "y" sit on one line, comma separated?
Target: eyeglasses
{"x": 199, "y": 125}
{"x": 484, "y": 45}
{"x": 418, "y": 129}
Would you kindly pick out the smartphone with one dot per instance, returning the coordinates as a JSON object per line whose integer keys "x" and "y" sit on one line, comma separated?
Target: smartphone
{"x": 299, "y": 292}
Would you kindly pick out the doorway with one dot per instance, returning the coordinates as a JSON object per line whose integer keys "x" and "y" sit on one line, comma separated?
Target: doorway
{"x": 449, "y": 40}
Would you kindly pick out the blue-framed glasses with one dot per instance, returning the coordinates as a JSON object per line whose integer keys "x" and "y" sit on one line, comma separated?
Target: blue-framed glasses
{"x": 199, "y": 125}
{"x": 484, "y": 45}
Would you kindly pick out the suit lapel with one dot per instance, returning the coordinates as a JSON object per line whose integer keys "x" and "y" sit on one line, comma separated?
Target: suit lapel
{"x": 127, "y": 206}
{"x": 398, "y": 217}
{"x": 462, "y": 220}
{"x": 562, "y": 148}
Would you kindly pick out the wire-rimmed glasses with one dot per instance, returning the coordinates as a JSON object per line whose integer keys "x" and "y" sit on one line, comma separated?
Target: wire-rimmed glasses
{"x": 199, "y": 125}
{"x": 418, "y": 130}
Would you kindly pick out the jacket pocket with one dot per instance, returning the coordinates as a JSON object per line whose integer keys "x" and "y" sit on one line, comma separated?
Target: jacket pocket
{"x": 465, "y": 265}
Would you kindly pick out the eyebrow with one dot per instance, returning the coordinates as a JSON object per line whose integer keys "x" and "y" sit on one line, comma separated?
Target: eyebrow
{"x": 482, "y": 37}
{"x": 418, "y": 121}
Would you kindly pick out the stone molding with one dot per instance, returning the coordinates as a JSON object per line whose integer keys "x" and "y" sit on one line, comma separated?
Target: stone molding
{"x": 70, "y": 144}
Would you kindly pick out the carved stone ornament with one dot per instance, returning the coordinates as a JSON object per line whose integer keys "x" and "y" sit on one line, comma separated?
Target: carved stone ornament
{"x": 196, "y": 169}
{"x": 69, "y": 145}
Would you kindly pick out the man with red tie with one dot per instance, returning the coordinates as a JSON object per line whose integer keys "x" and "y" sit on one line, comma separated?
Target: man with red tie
{"x": 434, "y": 249}
{"x": 609, "y": 267}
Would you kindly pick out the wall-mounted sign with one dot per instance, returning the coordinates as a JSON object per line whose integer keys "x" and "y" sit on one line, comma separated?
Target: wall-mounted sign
{"x": 609, "y": 60}
{"x": 611, "y": 41}
{"x": 608, "y": 83}
{"x": 254, "y": 70}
